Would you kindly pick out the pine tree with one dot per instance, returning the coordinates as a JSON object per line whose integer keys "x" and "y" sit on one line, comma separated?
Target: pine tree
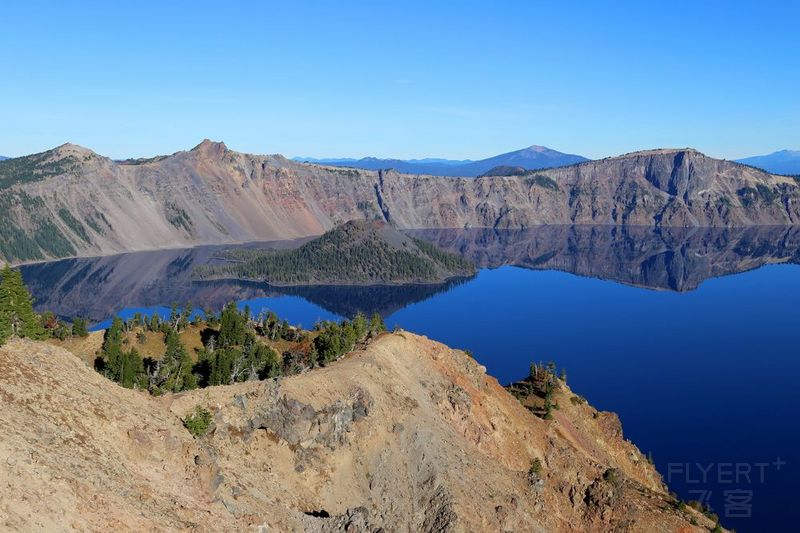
{"x": 112, "y": 351}
{"x": 5, "y": 312}
{"x": 132, "y": 372}
{"x": 232, "y": 327}
{"x": 155, "y": 322}
{"x": 376, "y": 324}
{"x": 16, "y": 308}
{"x": 79, "y": 327}
{"x": 176, "y": 367}
{"x": 360, "y": 325}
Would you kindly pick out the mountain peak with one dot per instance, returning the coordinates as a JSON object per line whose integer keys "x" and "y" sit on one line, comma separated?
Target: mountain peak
{"x": 780, "y": 162}
{"x": 70, "y": 149}
{"x": 539, "y": 149}
{"x": 207, "y": 145}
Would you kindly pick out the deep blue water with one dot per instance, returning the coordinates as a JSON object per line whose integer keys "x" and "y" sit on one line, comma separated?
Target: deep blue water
{"x": 702, "y": 370}
{"x": 699, "y": 379}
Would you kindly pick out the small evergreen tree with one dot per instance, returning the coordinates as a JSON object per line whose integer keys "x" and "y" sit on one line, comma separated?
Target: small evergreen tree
{"x": 175, "y": 369}
{"x": 232, "y": 327}
{"x": 17, "y": 316}
{"x": 5, "y": 311}
{"x": 155, "y": 322}
{"x": 360, "y": 325}
{"x": 112, "y": 361}
{"x": 376, "y": 324}
{"x": 132, "y": 374}
{"x": 79, "y": 328}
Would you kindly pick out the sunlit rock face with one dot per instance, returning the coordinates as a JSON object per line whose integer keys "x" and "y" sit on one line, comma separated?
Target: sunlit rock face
{"x": 72, "y": 202}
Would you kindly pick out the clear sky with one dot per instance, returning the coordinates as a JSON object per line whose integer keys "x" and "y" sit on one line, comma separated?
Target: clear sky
{"x": 403, "y": 79}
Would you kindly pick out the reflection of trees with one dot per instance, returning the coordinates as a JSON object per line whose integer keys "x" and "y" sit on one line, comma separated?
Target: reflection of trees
{"x": 669, "y": 258}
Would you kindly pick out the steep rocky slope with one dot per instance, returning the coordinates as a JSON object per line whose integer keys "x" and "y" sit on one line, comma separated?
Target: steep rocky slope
{"x": 71, "y": 201}
{"x": 406, "y": 435}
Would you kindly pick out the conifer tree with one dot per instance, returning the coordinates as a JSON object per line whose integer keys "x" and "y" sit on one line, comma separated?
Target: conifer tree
{"x": 79, "y": 328}
{"x": 376, "y": 324}
{"x": 16, "y": 307}
{"x": 112, "y": 350}
{"x": 232, "y": 327}
{"x": 132, "y": 372}
{"x": 5, "y": 313}
{"x": 176, "y": 367}
{"x": 360, "y": 325}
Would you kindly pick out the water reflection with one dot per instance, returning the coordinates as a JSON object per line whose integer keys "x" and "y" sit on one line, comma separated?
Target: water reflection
{"x": 677, "y": 259}
{"x": 668, "y": 259}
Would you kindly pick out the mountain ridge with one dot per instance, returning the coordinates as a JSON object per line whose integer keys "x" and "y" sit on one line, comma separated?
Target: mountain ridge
{"x": 532, "y": 157}
{"x": 405, "y": 434}
{"x": 72, "y": 202}
{"x": 780, "y": 162}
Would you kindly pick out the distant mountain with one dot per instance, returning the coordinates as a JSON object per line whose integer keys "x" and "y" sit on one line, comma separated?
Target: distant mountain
{"x": 70, "y": 201}
{"x": 782, "y": 162}
{"x": 2, "y": 157}
{"x": 531, "y": 158}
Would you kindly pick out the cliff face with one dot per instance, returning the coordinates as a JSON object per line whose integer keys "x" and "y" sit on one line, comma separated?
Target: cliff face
{"x": 72, "y": 202}
{"x": 407, "y": 435}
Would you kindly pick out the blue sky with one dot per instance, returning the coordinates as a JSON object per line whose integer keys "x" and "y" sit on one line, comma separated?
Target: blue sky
{"x": 402, "y": 79}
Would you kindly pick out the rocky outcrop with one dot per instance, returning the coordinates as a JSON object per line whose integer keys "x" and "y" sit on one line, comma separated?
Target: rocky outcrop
{"x": 406, "y": 435}
{"x": 71, "y": 201}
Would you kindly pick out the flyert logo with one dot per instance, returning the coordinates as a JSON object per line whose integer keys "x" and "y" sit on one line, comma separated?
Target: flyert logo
{"x": 737, "y": 501}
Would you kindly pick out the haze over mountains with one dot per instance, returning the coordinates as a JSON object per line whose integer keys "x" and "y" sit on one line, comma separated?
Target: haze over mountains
{"x": 531, "y": 158}
{"x": 70, "y": 201}
{"x": 781, "y": 162}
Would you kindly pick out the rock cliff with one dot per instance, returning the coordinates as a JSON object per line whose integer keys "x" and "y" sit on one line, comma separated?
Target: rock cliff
{"x": 72, "y": 202}
{"x": 405, "y": 435}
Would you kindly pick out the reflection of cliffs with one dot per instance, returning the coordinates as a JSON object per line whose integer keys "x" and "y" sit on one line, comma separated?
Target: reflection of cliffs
{"x": 71, "y": 202}
{"x": 667, "y": 258}
{"x": 98, "y": 287}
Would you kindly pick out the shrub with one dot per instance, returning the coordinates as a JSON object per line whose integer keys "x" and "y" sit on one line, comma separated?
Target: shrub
{"x": 198, "y": 422}
{"x": 613, "y": 477}
{"x": 79, "y": 328}
{"x": 542, "y": 181}
{"x": 536, "y": 468}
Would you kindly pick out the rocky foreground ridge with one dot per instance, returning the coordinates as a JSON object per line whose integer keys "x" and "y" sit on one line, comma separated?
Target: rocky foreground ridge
{"x": 405, "y": 435}
{"x": 70, "y": 201}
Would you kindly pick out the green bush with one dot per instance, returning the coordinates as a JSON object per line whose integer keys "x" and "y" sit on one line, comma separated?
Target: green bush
{"x": 79, "y": 328}
{"x": 536, "y": 468}
{"x": 198, "y": 422}
{"x": 613, "y": 477}
{"x": 543, "y": 181}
